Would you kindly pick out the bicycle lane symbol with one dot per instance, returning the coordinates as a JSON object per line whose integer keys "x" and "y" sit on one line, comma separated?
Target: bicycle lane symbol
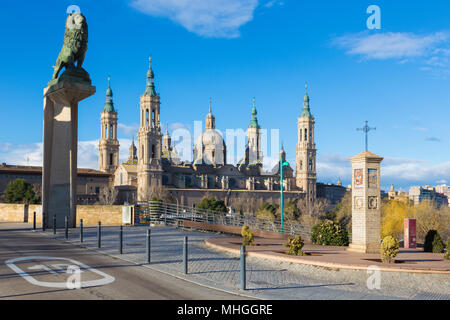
{"x": 71, "y": 267}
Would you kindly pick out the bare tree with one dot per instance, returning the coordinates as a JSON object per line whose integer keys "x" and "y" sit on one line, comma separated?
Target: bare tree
{"x": 156, "y": 192}
{"x": 312, "y": 212}
{"x": 108, "y": 196}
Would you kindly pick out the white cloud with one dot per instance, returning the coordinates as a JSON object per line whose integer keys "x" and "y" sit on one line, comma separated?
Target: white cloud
{"x": 31, "y": 154}
{"x": 131, "y": 129}
{"x": 272, "y": 3}
{"x": 403, "y": 172}
{"x": 429, "y": 50}
{"x": 391, "y": 45}
{"x": 208, "y": 18}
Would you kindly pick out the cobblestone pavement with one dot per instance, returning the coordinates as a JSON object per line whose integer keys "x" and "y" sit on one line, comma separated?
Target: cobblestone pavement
{"x": 266, "y": 279}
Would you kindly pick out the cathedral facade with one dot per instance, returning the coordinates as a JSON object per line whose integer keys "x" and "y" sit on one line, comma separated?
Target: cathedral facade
{"x": 154, "y": 163}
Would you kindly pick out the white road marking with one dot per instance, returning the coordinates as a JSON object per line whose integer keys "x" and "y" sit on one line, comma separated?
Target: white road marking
{"x": 106, "y": 278}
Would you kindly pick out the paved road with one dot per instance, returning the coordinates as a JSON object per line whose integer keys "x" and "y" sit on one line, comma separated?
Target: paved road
{"x": 130, "y": 281}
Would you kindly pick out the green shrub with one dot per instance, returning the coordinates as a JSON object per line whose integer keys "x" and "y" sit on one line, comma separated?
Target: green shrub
{"x": 267, "y": 211}
{"x": 329, "y": 233}
{"x": 447, "y": 254}
{"x": 433, "y": 242}
{"x": 247, "y": 235}
{"x": 20, "y": 191}
{"x": 295, "y": 245}
{"x": 389, "y": 249}
{"x": 212, "y": 204}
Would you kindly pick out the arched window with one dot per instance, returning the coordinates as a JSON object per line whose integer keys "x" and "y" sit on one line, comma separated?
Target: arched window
{"x": 106, "y": 131}
{"x": 111, "y": 159}
{"x": 146, "y": 117}
{"x": 301, "y": 164}
{"x": 310, "y": 165}
{"x": 153, "y": 118}
{"x": 111, "y": 132}
{"x": 153, "y": 151}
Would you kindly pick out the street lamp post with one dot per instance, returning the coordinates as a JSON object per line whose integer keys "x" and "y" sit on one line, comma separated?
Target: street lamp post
{"x": 282, "y": 164}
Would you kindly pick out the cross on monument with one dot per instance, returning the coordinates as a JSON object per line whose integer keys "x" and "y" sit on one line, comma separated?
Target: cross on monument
{"x": 366, "y": 130}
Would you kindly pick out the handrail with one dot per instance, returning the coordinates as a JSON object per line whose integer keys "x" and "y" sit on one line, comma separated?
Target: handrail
{"x": 172, "y": 214}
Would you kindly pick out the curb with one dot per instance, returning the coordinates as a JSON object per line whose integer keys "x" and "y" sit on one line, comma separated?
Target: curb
{"x": 327, "y": 265}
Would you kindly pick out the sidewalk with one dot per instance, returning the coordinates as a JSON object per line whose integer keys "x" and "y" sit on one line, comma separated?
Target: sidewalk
{"x": 265, "y": 279}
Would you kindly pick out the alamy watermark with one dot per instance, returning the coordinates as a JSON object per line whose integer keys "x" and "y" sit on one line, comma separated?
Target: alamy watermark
{"x": 374, "y": 279}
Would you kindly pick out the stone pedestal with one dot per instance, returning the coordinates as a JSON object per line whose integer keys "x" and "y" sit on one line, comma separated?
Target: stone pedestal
{"x": 366, "y": 203}
{"x": 59, "y": 170}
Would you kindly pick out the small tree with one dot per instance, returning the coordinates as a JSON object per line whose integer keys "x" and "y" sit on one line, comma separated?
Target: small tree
{"x": 342, "y": 212}
{"x": 20, "y": 191}
{"x": 295, "y": 245}
{"x": 329, "y": 233}
{"x": 267, "y": 211}
{"x": 247, "y": 235}
{"x": 433, "y": 242}
{"x": 389, "y": 249}
{"x": 212, "y": 204}
{"x": 447, "y": 254}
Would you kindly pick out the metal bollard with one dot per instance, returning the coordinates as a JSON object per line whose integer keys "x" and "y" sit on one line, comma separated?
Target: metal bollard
{"x": 243, "y": 269}
{"x": 185, "y": 255}
{"x": 99, "y": 234}
{"x": 120, "y": 240}
{"x": 81, "y": 230}
{"x": 54, "y": 224}
{"x": 148, "y": 250}
{"x": 66, "y": 226}
{"x": 34, "y": 220}
{"x": 43, "y": 221}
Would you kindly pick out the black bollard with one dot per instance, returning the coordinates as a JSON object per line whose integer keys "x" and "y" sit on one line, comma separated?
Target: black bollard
{"x": 120, "y": 240}
{"x": 66, "y": 226}
{"x": 54, "y": 224}
{"x": 185, "y": 255}
{"x": 81, "y": 230}
{"x": 34, "y": 220}
{"x": 99, "y": 235}
{"x": 148, "y": 246}
{"x": 243, "y": 271}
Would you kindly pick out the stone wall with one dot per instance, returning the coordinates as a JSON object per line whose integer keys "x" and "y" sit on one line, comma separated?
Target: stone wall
{"x": 12, "y": 212}
{"x": 108, "y": 215}
{"x": 91, "y": 215}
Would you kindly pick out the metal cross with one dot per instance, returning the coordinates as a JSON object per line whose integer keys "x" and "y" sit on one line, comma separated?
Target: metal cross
{"x": 366, "y": 130}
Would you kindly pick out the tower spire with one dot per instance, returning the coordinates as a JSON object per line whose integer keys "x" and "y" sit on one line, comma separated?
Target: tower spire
{"x": 306, "y": 112}
{"x": 150, "y": 87}
{"x": 109, "y": 104}
{"x": 210, "y": 120}
{"x": 254, "y": 120}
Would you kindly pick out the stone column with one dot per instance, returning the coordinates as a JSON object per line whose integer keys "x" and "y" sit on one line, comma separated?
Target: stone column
{"x": 59, "y": 170}
{"x": 366, "y": 203}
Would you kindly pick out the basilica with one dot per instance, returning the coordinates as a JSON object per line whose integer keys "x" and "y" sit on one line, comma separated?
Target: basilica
{"x": 154, "y": 164}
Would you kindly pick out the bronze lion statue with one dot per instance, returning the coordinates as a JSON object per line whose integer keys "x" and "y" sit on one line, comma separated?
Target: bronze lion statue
{"x": 75, "y": 44}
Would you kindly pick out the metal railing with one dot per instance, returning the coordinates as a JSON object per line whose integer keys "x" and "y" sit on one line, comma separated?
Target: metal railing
{"x": 172, "y": 214}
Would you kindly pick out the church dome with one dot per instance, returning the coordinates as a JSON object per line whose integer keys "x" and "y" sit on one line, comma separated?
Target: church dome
{"x": 209, "y": 148}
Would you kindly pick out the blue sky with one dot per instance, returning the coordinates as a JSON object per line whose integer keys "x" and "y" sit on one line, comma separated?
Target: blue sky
{"x": 397, "y": 77}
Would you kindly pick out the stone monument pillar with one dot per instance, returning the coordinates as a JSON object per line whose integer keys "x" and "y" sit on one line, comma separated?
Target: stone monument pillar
{"x": 366, "y": 201}
{"x": 60, "y": 138}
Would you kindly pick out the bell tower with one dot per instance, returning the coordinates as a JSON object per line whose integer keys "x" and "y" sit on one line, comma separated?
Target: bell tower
{"x": 255, "y": 155}
{"x": 149, "y": 139}
{"x": 108, "y": 145}
{"x": 306, "y": 151}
